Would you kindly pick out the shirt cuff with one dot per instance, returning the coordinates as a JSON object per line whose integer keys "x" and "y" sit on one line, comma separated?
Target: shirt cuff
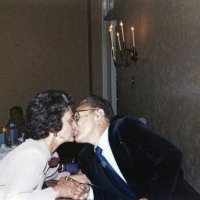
{"x": 91, "y": 194}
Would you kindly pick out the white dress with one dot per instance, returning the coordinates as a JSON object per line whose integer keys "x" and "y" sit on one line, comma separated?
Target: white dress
{"x": 23, "y": 171}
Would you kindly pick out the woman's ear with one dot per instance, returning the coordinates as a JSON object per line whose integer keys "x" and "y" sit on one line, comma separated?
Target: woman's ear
{"x": 52, "y": 131}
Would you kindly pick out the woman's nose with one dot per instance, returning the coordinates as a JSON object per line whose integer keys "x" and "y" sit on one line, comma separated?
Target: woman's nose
{"x": 74, "y": 125}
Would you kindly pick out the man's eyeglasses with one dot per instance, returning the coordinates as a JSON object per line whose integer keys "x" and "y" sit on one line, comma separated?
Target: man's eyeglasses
{"x": 77, "y": 115}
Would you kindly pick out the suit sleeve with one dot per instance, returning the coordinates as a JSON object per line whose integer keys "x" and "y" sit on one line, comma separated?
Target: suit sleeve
{"x": 101, "y": 190}
{"x": 166, "y": 158}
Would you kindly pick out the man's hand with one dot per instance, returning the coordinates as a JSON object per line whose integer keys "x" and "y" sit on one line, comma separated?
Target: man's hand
{"x": 86, "y": 188}
{"x": 81, "y": 178}
{"x": 69, "y": 188}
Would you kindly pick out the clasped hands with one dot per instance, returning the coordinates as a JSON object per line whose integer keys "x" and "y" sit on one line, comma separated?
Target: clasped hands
{"x": 74, "y": 186}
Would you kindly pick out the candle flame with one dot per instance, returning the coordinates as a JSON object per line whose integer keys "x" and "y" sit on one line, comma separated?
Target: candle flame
{"x": 132, "y": 28}
{"x": 111, "y": 28}
{"x": 121, "y": 23}
{"x": 117, "y": 34}
{"x": 4, "y": 129}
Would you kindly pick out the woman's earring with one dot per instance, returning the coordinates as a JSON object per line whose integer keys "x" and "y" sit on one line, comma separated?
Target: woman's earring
{"x": 55, "y": 134}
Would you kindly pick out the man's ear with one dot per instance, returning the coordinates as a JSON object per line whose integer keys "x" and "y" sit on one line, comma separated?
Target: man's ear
{"x": 100, "y": 113}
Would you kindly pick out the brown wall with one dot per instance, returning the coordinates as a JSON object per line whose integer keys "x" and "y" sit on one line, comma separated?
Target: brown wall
{"x": 167, "y": 76}
{"x": 44, "y": 45}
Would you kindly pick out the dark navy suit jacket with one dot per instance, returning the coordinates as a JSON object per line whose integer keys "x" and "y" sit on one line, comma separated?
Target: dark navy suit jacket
{"x": 149, "y": 162}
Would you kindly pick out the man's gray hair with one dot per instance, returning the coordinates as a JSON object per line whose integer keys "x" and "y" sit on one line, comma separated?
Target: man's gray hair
{"x": 95, "y": 101}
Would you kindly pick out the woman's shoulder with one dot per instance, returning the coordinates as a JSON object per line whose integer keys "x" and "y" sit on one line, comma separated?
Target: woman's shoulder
{"x": 35, "y": 144}
{"x": 34, "y": 148}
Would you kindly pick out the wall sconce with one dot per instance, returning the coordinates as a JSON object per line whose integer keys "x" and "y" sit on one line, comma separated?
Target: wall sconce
{"x": 120, "y": 54}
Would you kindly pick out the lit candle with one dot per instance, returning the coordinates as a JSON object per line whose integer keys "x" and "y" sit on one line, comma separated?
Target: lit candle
{"x": 133, "y": 38}
{"x": 122, "y": 29}
{"x": 120, "y": 48}
{"x": 4, "y": 130}
{"x": 111, "y": 34}
{"x": 111, "y": 38}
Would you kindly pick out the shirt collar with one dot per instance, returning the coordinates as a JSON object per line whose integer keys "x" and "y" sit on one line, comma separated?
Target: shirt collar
{"x": 103, "y": 142}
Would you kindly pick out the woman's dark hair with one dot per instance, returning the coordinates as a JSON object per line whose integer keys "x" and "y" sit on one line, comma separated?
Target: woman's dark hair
{"x": 95, "y": 101}
{"x": 45, "y": 111}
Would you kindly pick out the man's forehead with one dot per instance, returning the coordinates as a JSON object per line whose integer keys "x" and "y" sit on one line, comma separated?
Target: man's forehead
{"x": 82, "y": 106}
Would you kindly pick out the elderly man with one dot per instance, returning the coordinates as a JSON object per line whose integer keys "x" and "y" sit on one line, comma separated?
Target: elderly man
{"x": 126, "y": 159}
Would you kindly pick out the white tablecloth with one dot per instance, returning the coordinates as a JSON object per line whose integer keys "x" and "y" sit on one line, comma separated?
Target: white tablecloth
{"x": 5, "y": 150}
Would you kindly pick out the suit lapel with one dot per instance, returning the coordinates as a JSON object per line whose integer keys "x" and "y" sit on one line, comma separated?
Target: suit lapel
{"x": 120, "y": 153}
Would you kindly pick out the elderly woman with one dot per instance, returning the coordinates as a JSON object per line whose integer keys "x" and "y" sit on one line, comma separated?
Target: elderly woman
{"x": 23, "y": 171}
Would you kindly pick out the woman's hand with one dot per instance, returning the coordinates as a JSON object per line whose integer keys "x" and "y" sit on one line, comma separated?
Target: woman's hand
{"x": 69, "y": 188}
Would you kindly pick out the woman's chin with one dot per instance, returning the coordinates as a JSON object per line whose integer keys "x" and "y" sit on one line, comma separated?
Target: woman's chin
{"x": 70, "y": 140}
{"x": 76, "y": 138}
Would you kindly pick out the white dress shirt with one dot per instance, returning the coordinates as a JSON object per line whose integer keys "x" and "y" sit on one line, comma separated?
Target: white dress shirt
{"x": 107, "y": 153}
